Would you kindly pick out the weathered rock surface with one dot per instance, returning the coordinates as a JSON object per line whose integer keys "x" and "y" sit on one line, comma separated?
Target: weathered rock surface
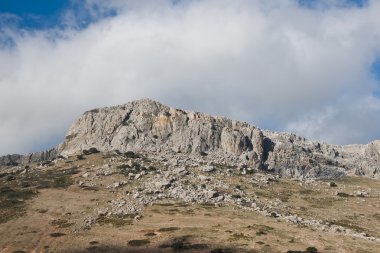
{"x": 149, "y": 126}
{"x": 15, "y": 160}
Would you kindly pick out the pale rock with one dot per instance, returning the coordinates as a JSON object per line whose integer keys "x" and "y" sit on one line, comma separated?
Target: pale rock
{"x": 208, "y": 168}
{"x": 148, "y": 126}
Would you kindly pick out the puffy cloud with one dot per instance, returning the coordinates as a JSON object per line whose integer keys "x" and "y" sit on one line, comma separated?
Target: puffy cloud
{"x": 275, "y": 64}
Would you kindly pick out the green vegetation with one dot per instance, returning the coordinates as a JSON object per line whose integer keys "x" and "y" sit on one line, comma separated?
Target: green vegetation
{"x": 169, "y": 229}
{"x": 343, "y": 195}
{"x": 61, "y": 223}
{"x": 321, "y": 202}
{"x": 116, "y": 220}
{"x": 90, "y": 151}
{"x": 12, "y": 202}
{"x": 308, "y": 250}
{"x": 131, "y": 154}
{"x": 57, "y": 234}
{"x": 239, "y": 236}
{"x": 151, "y": 234}
{"x": 52, "y": 178}
{"x": 306, "y": 191}
{"x": 137, "y": 243}
{"x": 181, "y": 244}
{"x": 348, "y": 224}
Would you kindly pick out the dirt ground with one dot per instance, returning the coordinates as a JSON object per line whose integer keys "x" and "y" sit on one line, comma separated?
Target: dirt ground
{"x": 46, "y": 213}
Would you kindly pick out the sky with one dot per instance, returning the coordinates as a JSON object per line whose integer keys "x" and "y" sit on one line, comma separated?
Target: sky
{"x": 311, "y": 67}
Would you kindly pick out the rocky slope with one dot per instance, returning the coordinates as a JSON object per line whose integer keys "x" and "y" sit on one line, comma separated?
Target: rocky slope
{"x": 149, "y": 126}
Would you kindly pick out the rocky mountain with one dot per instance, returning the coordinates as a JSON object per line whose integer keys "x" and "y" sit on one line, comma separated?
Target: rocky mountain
{"x": 149, "y": 126}
{"x": 144, "y": 177}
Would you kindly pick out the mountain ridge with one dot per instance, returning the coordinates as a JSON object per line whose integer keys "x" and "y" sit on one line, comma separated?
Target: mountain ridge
{"x": 147, "y": 125}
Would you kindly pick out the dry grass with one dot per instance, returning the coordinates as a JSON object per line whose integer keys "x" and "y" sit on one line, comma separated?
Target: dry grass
{"x": 40, "y": 212}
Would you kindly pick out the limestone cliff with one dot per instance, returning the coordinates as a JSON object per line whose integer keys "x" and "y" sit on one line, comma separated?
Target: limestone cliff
{"x": 150, "y": 126}
{"x": 146, "y": 125}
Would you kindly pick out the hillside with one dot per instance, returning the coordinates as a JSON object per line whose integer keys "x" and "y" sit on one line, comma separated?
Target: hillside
{"x": 144, "y": 177}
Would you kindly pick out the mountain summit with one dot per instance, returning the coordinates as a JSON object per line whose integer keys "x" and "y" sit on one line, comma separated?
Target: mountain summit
{"x": 149, "y": 126}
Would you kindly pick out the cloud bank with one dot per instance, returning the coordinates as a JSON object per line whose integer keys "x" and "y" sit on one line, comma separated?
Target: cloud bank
{"x": 277, "y": 64}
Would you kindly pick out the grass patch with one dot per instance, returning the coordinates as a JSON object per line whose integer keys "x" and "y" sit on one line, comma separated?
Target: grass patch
{"x": 239, "y": 236}
{"x": 262, "y": 227}
{"x": 284, "y": 196}
{"x": 172, "y": 211}
{"x": 181, "y": 204}
{"x": 137, "y": 243}
{"x": 52, "y": 178}
{"x": 321, "y": 202}
{"x": 348, "y": 224}
{"x": 261, "y": 232}
{"x": 61, "y": 223}
{"x": 264, "y": 194}
{"x": 207, "y": 206}
{"x": 306, "y": 191}
{"x": 220, "y": 250}
{"x": 308, "y": 250}
{"x": 57, "y": 234}
{"x": 376, "y": 216}
{"x": 188, "y": 212}
{"x": 164, "y": 204}
{"x": 42, "y": 210}
{"x": 12, "y": 202}
{"x": 116, "y": 220}
{"x": 131, "y": 154}
{"x": 168, "y": 229}
{"x": 181, "y": 244}
{"x": 89, "y": 188}
{"x": 343, "y": 195}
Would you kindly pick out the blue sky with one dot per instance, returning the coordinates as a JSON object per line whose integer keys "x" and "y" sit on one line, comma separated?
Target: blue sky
{"x": 47, "y": 14}
{"x": 35, "y": 13}
{"x": 309, "y": 67}
{"x": 326, "y": 4}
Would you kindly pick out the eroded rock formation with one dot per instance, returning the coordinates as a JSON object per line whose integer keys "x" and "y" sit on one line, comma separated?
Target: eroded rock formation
{"x": 146, "y": 125}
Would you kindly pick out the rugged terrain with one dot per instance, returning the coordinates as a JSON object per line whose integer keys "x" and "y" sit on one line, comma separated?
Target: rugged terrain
{"x": 143, "y": 177}
{"x": 146, "y": 125}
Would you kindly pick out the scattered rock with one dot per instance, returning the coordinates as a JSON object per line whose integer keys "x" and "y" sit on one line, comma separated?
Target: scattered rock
{"x": 164, "y": 184}
{"x": 208, "y": 168}
{"x": 361, "y": 194}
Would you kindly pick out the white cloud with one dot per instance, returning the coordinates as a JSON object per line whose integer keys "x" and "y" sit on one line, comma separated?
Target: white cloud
{"x": 271, "y": 63}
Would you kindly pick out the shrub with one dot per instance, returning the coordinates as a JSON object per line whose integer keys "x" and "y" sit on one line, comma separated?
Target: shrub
{"x": 131, "y": 154}
{"x": 90, "y": 151}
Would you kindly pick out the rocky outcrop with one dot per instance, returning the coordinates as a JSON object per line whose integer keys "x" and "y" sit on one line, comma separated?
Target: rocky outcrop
{"x": 146, "y": 125}
{"x": 10, "y": 160}
{"x": 15, "y": 160}
{"x": 150, "y": 126}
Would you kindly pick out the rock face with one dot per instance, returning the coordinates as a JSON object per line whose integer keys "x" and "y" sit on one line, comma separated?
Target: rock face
{"x": 15, "y": 160}
{"x": 293, "y": 156}
{"x": 149, "y": 126}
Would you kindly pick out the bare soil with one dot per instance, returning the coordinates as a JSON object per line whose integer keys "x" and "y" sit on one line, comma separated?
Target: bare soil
{"x": 45, "y": 211}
